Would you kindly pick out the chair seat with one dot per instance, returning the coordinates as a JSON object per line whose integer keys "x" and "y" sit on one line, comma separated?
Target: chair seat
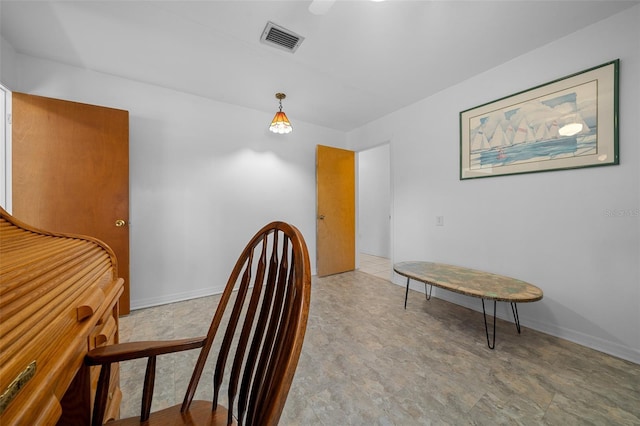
{"x": 199, "y": 414}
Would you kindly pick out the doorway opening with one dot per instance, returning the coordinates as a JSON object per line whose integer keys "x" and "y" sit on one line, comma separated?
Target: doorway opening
{"x": 374, "y": 211}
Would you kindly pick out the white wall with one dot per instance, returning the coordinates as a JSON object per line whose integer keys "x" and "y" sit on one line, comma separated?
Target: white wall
{"x": 374, "y": 193}
{"x": 9, "y": 69}
{"x": 204, "y": 176}
{"x": 553, "y": 229}
{"x": 199, "y": 189}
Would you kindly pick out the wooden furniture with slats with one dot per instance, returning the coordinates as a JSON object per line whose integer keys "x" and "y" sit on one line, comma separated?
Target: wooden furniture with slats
{"x": 256, "y": 332}
{"x": 58, "y": 300}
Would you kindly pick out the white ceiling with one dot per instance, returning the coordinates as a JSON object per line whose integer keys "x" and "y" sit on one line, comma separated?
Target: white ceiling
{"x": 359, "y": 61}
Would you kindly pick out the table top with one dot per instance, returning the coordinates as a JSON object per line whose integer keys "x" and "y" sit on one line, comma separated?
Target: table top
{"x": 470, "y": 281}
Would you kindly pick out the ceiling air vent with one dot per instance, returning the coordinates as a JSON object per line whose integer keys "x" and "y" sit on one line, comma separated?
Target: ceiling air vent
{"x": 280, "y": 37}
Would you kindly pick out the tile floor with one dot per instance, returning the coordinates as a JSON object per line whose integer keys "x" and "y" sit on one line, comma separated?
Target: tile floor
{"x": 375, "y": 265}
{"x": 368, "y": 361}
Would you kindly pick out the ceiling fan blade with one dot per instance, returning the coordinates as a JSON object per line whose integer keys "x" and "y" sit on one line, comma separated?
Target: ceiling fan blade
{"x": 320, "y": 7}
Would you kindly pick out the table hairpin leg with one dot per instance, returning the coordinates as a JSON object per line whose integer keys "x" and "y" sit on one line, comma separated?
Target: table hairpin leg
{"x": 486, "y": 328}
{"x": 406, "y": 293}
{"x": 430, "y": 290}
{"x": 516, "y": 317}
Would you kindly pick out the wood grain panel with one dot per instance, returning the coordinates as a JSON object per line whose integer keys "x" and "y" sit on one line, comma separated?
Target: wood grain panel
{"x": 336, "y": 220}
{"x": 71, "y": 171}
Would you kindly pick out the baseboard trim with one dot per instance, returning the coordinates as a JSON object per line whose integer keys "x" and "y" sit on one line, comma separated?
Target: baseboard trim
{"x": 173, "y": 298}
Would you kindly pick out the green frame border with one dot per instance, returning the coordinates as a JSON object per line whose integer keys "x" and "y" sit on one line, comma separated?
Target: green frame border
{"x": 615, "y": 124}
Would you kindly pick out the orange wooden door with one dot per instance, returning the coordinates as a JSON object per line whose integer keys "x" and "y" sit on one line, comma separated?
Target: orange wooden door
{"x": 336, "y": 217}
{"x": 70, "y": 165}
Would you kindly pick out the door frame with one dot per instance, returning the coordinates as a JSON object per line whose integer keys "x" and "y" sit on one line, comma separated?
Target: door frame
{"x": 356, "y": 204}
{"x": 5, "y": 150}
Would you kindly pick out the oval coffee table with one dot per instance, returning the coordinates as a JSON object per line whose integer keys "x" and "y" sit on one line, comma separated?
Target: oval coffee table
{"x": 471, "y": 282}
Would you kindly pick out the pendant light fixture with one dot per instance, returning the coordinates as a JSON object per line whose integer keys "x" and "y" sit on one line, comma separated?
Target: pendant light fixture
{"x": 280, "y": 123}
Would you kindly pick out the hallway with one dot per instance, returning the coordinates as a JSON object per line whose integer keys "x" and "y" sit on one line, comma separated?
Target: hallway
{"x": 376, "y": 266}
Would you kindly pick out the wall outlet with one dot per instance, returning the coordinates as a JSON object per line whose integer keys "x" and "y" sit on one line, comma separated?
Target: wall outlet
{"x": 439, "y": 220}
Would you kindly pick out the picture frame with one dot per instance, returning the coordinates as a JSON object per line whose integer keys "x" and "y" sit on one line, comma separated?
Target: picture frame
{"x": 567, "y": 123}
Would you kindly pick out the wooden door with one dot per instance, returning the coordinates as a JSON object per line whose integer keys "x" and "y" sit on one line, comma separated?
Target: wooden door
{"x": 336, "y": 218}
{"x": 70, "y": 166}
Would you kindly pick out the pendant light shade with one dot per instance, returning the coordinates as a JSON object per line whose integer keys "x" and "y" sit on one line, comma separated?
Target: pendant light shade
{"x": 280, "y": 123}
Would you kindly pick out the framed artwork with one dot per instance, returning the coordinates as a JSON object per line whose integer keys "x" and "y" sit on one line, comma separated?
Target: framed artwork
{"x": 567, "y": 123}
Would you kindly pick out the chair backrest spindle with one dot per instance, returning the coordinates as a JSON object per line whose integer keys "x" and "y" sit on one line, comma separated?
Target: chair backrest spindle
{"x": 268, "y": 350}
{"x": 246, "y": 330}
{"x": 258, "y": 339}
{"x": 263, "y": 335}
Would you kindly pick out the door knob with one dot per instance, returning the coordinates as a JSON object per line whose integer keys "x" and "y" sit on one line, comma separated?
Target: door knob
{"x": 120, "y": 223}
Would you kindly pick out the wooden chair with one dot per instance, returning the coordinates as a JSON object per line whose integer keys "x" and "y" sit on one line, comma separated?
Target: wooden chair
{"x": 266, "y": 325}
